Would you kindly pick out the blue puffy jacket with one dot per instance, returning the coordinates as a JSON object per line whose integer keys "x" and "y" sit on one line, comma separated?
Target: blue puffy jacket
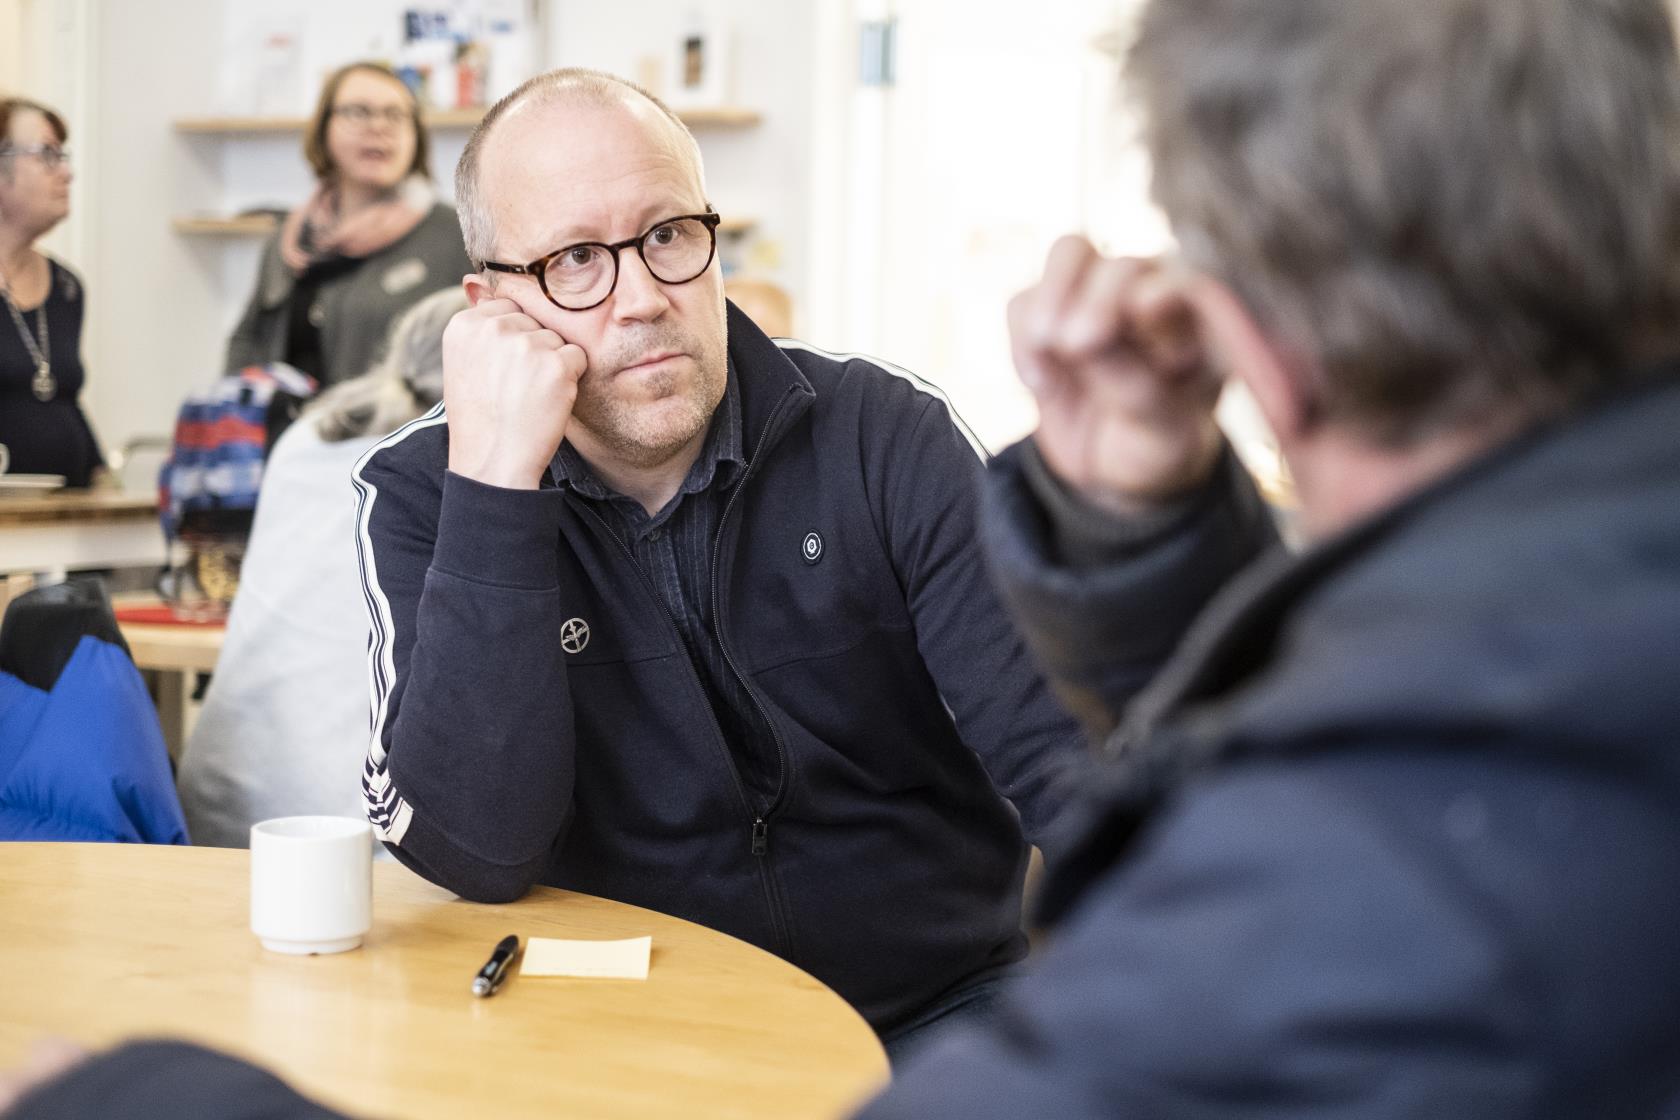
{"x": 85, "y": 760}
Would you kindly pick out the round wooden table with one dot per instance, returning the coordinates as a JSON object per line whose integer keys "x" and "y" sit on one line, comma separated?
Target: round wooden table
{"x": 100, "y": 942}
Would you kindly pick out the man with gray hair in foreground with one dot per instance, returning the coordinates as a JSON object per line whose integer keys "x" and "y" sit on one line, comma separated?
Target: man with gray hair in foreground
{"x": 1397, "y": 833}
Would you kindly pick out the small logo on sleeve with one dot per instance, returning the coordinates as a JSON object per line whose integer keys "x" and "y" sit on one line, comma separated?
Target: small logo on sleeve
{"x": 574, "y": 635}
{"x": 812, "y": 549}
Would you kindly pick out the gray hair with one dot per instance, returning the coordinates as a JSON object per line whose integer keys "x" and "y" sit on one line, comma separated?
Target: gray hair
{"x": 1445, "y": 212}
{"x": 572, "y": 84}
{"x": 405, "y": 381}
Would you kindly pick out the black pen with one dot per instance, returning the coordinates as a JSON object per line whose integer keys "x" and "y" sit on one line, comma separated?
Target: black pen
{"x": 495, "y": 969}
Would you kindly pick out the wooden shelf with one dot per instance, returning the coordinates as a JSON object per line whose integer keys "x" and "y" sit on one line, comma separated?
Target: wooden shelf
{"x": 724, "y": 116}
{"x": 261, "y": 225}
{"x": 247, "y": 225}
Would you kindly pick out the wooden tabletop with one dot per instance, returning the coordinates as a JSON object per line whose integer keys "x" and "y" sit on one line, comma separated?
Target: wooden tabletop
{"x": 160, "y": 645}
{"x": 75, "y": 505}
{"x": 101, "y": 942}
{"x": 169, "y": 645}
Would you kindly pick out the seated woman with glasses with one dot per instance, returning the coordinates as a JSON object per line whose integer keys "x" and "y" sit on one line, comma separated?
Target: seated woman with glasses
{"x": 41, "y": 425}
{"x": 367, "y": 245}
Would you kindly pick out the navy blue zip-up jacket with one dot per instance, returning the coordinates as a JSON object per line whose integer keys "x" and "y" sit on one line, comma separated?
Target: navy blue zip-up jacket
{"x": 538, "y": 718}
{"x": 1397, "y": 832}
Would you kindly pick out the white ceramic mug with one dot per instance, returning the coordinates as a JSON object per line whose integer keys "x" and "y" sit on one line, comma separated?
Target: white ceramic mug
{"x": 311, "y": 883}
{"x": 5, "y": 458}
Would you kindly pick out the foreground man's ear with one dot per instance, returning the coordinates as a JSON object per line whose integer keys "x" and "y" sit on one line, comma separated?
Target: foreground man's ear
{"x": 1241, "y": 349}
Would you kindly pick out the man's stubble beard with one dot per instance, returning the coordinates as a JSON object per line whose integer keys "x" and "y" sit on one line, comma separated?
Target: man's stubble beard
{"x": 629, "y": 430}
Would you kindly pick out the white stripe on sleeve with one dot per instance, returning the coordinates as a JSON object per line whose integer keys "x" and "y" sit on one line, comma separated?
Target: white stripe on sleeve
{"x": 900, "y": 372}
{"x": 386, "y": 810}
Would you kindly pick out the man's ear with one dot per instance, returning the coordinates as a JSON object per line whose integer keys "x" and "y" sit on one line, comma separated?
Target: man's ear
{"x": 1240, "y": 347}
{"x": 477, "y": 288}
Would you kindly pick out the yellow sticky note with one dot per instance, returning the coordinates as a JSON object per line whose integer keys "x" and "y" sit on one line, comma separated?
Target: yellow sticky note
{"x": 606, "y": 960}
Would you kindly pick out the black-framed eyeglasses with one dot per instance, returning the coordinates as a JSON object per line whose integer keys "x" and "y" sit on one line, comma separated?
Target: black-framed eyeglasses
{"x": 50, "y": 155}
{"x": 582, "y": 276}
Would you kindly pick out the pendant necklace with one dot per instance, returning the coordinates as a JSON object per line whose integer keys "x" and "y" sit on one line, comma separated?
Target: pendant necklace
{"x": 43, "y": 385}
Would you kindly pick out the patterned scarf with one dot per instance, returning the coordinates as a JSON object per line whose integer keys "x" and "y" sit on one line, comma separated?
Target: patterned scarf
{"x": 314, "y": 232}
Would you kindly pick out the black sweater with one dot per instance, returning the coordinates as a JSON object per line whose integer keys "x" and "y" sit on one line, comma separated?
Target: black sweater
{"x": 47, "y": 437}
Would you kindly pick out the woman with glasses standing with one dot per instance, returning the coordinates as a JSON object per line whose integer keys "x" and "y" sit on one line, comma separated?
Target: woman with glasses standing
{"x": 41, "y": 424}
{"x": 368, "y": 244}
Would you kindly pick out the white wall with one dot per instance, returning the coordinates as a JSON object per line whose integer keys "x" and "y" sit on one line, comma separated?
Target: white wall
{"x": 154, "y": 299}
{"x": 11, "y": 46}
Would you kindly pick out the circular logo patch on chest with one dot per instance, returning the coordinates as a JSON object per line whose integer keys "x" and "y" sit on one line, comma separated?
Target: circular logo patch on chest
{"x": 574, "y": 635}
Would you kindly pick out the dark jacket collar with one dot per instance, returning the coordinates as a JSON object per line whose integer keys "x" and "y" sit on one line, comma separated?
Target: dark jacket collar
{"x": 764, "y": 386}
{"x": 773, "y": 390}
{"x": 1526, "y": 602}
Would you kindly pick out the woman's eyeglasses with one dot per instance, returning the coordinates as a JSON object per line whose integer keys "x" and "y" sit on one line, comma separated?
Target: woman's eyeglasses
{"x": 52, "y": 156}
{"x": 357, "y": 113}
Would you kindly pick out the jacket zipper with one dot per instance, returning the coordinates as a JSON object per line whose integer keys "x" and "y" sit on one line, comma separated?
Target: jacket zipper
{"x": 761, "y": 824}
{"x": 760, "y": 829}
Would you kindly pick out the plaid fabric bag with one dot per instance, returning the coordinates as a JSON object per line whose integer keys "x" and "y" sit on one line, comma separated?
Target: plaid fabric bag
{"x": 209, "y": 483}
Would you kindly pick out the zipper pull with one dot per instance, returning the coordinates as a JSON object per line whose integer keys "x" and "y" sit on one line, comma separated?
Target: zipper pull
{"x": 760, "y": 837}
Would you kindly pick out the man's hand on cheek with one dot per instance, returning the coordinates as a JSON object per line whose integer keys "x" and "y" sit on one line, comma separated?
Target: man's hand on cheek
{"x": 509, "y": 384}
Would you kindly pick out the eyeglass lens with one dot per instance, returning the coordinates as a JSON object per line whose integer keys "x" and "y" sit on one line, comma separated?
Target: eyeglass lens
{"x": 50, "y": 155}
{"x": 675, "y": 252}
{"x": 357, "y": 113}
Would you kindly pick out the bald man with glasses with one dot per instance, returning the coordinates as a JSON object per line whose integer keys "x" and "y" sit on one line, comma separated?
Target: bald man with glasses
{"x": 669, "y": 612}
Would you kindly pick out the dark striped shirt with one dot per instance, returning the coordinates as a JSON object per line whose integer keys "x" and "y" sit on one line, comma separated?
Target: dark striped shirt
{"x": 673, "y": 548}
